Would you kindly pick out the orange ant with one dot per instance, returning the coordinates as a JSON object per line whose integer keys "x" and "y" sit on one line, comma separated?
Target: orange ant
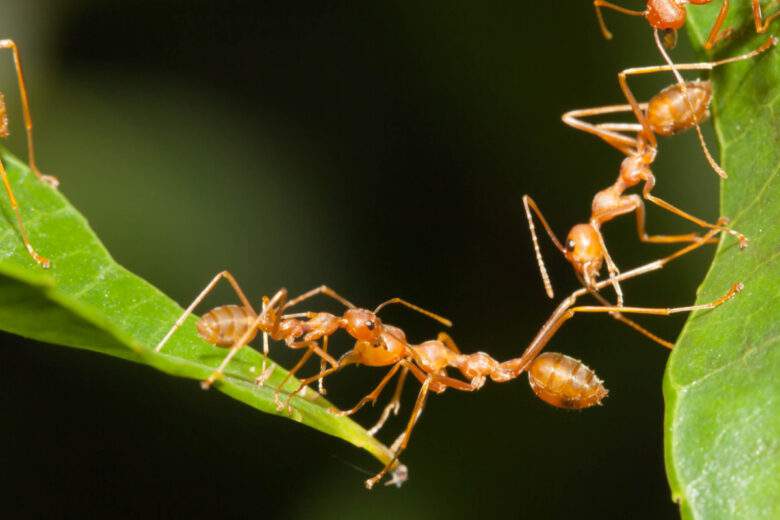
{"x": 670, "y": 15}
{"x": 428, "y": 361}
{"x": 665, "y": 114}
{"x": 4, "y": 132}
{"x": 233, "y": 326}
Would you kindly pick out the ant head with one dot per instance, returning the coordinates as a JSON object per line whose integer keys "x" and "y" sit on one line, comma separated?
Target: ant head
{"x": 666, "y": 14}
{"x": 363, "y": 325}
{"x": 583, "y": 250}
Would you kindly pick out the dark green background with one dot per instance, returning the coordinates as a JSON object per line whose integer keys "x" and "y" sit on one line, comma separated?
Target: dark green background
{"x": 381, "y": 148}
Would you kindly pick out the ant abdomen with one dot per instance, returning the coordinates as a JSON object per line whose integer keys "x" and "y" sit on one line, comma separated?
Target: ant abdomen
{"x": 226, "y": 324}
{"x": 565, "y": 382}
{"x": 668, "y": 112}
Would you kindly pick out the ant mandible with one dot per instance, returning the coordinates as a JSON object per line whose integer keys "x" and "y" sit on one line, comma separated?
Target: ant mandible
{"x": 667, "y": 113}
{"x": 4, "y": 132}
{"x": 577, "y": 386}
{"x": 234, "y": 326}
{"x": 670, "y": 15}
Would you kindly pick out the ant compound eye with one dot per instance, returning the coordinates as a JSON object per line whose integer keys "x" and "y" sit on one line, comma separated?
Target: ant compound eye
{"x": 570, "y": 245}
{"x": 370, "y": 325}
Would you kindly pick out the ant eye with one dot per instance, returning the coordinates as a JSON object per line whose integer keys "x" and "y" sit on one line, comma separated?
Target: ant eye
{"x": 370, "y": 325}
{"x": 570, "y": 245}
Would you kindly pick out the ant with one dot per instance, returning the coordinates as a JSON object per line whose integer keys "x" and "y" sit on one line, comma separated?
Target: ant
{"x": 670, "y": 15}
{"x": 4, "y": 132}
{"x": 665, "y": 114}
{"x": 233, "y": 326}
{"x": 428, "y": 361}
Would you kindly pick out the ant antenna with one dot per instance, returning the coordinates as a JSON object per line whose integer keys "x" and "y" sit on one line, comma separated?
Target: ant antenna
{"x": 440, "y": 319}
{"x": 715, "y": 166}
{"x": 529, "y": 203}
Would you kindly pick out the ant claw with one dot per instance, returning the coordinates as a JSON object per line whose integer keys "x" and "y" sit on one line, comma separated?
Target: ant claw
{"x": 206, "y": 384}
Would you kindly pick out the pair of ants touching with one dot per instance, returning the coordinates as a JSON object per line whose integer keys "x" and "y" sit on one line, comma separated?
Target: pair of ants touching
{"x": 438, "y": 364}
{"x": 557, "y": 379}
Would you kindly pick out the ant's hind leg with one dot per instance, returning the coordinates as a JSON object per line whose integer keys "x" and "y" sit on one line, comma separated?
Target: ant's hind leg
{"x": 39, "y": 259}
{"x": 404, "y": 440}
{"x": 608, "y": 132}
{"x": 28, "y": 125}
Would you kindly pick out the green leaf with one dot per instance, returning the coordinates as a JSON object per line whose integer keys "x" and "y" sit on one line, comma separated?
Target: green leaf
{"x": 722, "y": 383}
{"x": 86, "y": 300}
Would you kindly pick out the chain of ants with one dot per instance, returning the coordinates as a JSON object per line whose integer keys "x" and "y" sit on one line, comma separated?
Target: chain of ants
{"x": 557, "y": 379}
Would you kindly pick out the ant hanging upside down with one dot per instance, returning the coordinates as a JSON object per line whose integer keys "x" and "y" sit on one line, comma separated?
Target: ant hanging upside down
{"x": 673, "y": 110}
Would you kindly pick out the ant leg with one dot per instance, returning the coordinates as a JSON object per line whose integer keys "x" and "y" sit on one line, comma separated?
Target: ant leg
{"x": 556, "y": 320}
{"x": 39, "y": 259}
{"x": 660, "y": 311}
{"x": 612, "y": 268}
{"x": 304, "y": 358}
{"x": 661, "y": 239}
{"x": 323, "y": 364}
{"x": 762, "y": 26}
{"x": 266, "y": 349}
{"x": 565, "y": 312}
{"x": 400, "y": 444}
{"x": 322, "y": 353}
{"x": 650, "y": 183}
{"x": 440, "y": 319}
{"x": 416, "y": 412}
{"x": 347, "y": 359}
{"x": 449, "y": 382}
{"x": 209, "y": 287}
{"x": 609, "y": 132}
{"x": 394, "y": 405}
{"x": 28, "y": 125}
{"x": 715, "y": 34}
{"x": 529, "y": 204}
{"x": 631, "y": 323}
{"x": 598, "y": 4}
{"x": 372, "y": 396}
{"x": 315, "y": 349}
{"x": 324, "y": 290}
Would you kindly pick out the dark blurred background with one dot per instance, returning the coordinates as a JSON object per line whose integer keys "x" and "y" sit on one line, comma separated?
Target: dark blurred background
{"x": 381, "y": 148}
